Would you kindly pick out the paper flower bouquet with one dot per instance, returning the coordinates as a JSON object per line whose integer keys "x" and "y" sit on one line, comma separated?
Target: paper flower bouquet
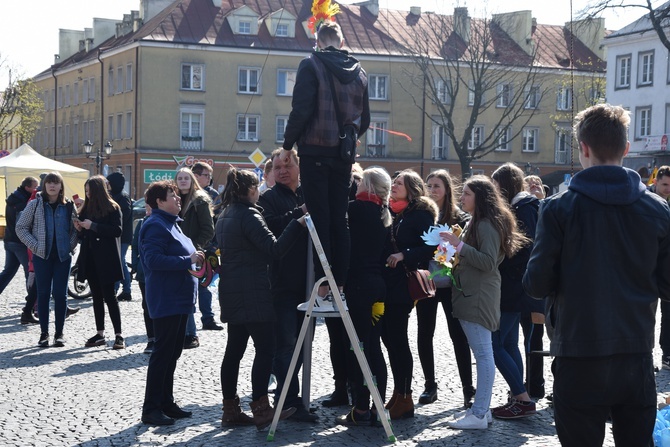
{"x": 443, "y": 259}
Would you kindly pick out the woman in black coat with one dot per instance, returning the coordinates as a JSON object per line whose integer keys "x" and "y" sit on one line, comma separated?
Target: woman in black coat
{"x": 247, "y": 245}
{"x": 99, "y": 262}
{"x": 414, "y": 213}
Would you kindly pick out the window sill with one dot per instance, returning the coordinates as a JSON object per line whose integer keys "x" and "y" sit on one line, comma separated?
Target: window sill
{"x": 530, "y": 152}
{"x": 650, "y": 84}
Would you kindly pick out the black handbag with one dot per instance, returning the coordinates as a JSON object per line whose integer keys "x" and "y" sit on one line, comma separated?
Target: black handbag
{"x": 346, "y": 132}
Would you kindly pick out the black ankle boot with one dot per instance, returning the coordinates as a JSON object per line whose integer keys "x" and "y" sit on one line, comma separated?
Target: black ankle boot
{"x": 28, "y": 318}
{"x": 339, "y": 397}
{"x": 429, "y": 394}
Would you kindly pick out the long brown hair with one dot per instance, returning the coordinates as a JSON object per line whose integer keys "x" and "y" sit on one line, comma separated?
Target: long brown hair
{"x": 448, "y": 208}
{"x": 238, "y": 185}
{"x": 490, "y": 205}
{"x": 510, "y": 180}
{"x": 194, "y": 190}
{"x": 98, "y": 202}
{"x": 53, "y": 177}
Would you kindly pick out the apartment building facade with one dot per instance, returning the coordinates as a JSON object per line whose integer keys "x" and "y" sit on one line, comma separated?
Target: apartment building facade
{"x": 200, "y": 80}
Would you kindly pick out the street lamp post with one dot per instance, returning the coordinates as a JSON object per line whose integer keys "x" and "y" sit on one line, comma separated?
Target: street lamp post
{"x": 98, "y": 156}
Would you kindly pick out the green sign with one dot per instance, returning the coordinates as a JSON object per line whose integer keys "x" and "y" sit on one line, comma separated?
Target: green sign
{"x": 154, "y": 175}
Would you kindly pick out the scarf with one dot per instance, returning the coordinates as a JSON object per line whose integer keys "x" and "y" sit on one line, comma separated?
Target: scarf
{"x": 369, "y": 197}
{"x": 398, "y": 206}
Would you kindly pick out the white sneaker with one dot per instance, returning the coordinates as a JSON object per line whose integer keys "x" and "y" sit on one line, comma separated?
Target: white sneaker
{"x": 469, "y": 422}
{"x": 462, "y": 414}
{"x": 323, "y": 304}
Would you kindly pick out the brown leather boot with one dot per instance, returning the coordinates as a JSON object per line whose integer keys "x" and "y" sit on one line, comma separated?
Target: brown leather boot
{"x": 391, "y": 401}
{"x": 403, "y": 407}
{"x": 263, "y": 412}
{"x": 233, "y": 415}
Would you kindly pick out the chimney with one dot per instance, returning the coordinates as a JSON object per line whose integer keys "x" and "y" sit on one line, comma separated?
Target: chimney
{"x": 150, "y": 8}
{"x": 462, "y": 23}
{"x": 69, "y": 42}
{"x": 518, "y": 26}
{"x": 371, "y": 5}
{"x": 590, "y": 32}
{"x": 415, "y": 10}
{"x": 216, "y": 3}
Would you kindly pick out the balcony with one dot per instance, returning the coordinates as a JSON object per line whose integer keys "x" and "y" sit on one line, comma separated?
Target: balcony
{"x": 191, "y": 143}
{"x": 375, "y": 150}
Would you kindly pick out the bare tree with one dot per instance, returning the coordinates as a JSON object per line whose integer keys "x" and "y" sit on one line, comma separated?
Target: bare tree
{"x": 460, "y": 66}
{"x": 659, "y": 17}
{"x": 20, "y": 106}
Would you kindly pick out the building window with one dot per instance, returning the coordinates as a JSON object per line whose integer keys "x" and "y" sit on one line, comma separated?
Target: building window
{"x": 503, "y": 142}
{"x": 91, "y": 90}
{"x": 476, "y": 137}
{"x": 529, "y": 138}
{"x": 645, "y": 73}
{"x": 75, "y": 138}
{"x": 84, "y": 92}
{"x": 84, "y": 131}
{"x": 282, "y": 30}
{"x": 667, "y": 119}
{"x": 562, "y": 145}
{"x": 532, "y": 97}
{"x": 248, "y": 80}
{"x": 91, "y": 130}
{"x": 192, "y": 124}
{"x": 110, "y": 81}
{"x": 129, "y": 125}
{"x": 119, "y": 79}
{"x": 192, "y": 76}
{"x": 280, "y": 128}
{"x": 129, "y": 77}
{"x": 504, "y": 95}
{"x": 443, "y": 91}
{"x": 439, "y": 143}
{"x": 285, "y": 82}
{"x": 110, "y": 128}
{"x": 622, "y": 72}
{"x": 66, "y": 137}
{"x": 119, "y": 126}
{"x": 377, "y": 87}
{"x": 595, "y": 95}
{"x": 52, "y": 99}
{"x": 75, "y": 94}
{"x": 59, "y": 137}
{"x": 471, "y": 93}
{"x": 244, "y": 27}
{"x": 60, "y": 97}
{"x": 564, "y": 99}
{"x": 247, "y": 127}
{"x": 376, "y": 138}
{"x": 66, "y": 99}
{"x": 642, "y": 122}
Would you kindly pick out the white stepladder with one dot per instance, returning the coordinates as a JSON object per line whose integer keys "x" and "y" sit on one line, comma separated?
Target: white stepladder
{"x": 343, "y": 313}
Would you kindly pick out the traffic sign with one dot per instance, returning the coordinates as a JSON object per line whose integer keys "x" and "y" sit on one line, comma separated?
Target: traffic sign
{"x": 257, "y": 157}
{"x": 154, "y": 175}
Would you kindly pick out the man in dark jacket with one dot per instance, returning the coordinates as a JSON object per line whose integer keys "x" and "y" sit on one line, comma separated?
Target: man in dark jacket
{"x": 313, "y": 125}
{"x": 116, "y": 184}
{"x": 601, "y": 255}
{"x": 16, "y": 253}
{"x": 281, "y": 204}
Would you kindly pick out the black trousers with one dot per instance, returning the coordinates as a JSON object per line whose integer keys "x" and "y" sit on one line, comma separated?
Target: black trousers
{"x": 325, "y": 184}
{"x": 426, "y": 316}
{"x": 148, "y": 323}
{"x": 588, "y": 390}
{"x": 394, "y": 335}
{"x": 263, "y": 337}
{"x": 104, "y": 294}
{"x": 169, "y": 342}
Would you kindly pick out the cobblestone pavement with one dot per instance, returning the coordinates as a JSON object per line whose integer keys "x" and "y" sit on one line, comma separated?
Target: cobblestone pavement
{"x": 93, "y": 396}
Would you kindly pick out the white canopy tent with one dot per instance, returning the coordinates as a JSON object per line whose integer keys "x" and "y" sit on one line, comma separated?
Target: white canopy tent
{"x": 24, "y": 162}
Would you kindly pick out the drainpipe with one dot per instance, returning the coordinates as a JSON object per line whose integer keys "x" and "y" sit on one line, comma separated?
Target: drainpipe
{"x": 138, "y": 173}
{"x": 53, "y": 73}
{"x": 102, "y": 102}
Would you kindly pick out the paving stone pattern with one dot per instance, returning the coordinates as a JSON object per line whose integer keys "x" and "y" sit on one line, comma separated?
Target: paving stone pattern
{"x": 93, "y": 396}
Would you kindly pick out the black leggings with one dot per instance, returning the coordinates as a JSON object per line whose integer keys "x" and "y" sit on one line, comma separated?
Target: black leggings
{"x": 104, "y": 293}
{"x": 426, "y": 315}
{"x": 394, "y": 335}
{"x": 264, "y": 343}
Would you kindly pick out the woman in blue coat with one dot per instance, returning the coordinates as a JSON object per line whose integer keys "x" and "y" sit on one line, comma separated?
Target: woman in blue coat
{"x": 166, "y": 255}
{"x": 247, "y": 245}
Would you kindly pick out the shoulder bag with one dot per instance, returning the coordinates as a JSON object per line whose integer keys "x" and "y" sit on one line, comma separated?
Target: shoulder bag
{"x": 419, "y": 284}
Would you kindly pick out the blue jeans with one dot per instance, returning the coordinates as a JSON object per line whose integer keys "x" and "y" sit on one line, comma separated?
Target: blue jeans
{"x": 51, "y": 276}
{"x": 16, "y": 254}
{"x": 479, "y": 339}
{"x": 205, "y": 306}
{"x": 126, "y": 272}
{"x": 506, "y": 351}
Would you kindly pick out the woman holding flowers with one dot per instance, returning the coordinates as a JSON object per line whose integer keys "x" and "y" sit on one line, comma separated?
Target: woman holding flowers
{"x": 487, "y": 238}
{"x": 414, "y": 213}
{"x": 440, "y": 188}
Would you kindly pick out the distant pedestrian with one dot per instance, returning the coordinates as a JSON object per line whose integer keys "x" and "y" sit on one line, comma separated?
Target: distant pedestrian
{"x": 141, "y": 281}
{"x": 16, "y": 253}
{"x": 602, "y": 303}
{"x": 662, "y": 188}
{"x": 46, "y": 227}
{"x": 117, "y": 183}
{"x": 99, "y": 262}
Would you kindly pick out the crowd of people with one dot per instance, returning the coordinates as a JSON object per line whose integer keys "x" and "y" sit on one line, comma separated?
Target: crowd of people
{"x": 521, "y": 254}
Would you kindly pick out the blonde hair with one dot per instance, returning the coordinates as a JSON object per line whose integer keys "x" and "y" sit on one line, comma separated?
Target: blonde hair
{"x": 377, "y": 181}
